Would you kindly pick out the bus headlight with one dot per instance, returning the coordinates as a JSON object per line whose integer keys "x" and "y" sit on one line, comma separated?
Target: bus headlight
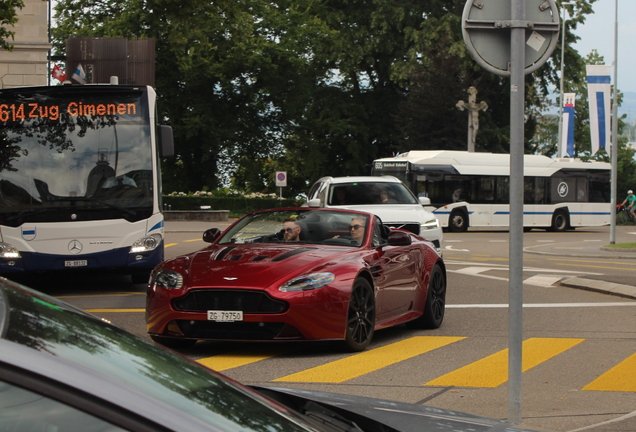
{"x": 8, "y": 251}
{"x": 146, "y": 244}
{"x": 430, "y": 224}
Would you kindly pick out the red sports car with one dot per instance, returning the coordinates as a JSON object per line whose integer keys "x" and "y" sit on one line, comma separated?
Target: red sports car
{"x": 297, "y": 274}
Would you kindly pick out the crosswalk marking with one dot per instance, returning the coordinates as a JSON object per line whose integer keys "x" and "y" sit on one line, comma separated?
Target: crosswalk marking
{"x": 621, "y": 377}
{"x": 492, "y": 371}
{"x": 238, "y": 358}
{"x": 371, "y": 360}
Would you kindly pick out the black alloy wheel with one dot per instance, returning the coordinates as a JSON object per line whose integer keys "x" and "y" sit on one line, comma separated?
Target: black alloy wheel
{"x": 435, "y": 302}
{"x": 360, "y": 317}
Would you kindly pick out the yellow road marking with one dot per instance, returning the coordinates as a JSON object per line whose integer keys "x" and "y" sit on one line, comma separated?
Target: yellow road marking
{"x": 102, "y": 295}
{"x": 621, "y": 377}
{"x": 114, "y": 310}
{"x": 492, "y": 371}
{"x": 235, "y": 359}
{"x": 193, "y": 240}
{"x": 370, "y": 361}
{"x": 169, "y": 244}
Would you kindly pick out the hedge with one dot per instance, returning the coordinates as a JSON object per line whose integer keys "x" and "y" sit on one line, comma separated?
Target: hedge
{"x": 236, "y": 206}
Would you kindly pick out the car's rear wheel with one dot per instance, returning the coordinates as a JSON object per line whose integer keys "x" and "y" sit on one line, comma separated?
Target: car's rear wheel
{"x": 435, "y": 302}
{"x": 174, "y": 342}
{"x": 360, "y": 317}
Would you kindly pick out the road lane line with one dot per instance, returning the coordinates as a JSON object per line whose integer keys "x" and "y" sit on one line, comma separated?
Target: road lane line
{"x": 193, "y": 240}
{"x": 369, "y": 361}
{"x": 621, "y": 377}
{"x": 492, "y": 371}
{"x": 169, "y": 244}
{"x": 238, "y": 358}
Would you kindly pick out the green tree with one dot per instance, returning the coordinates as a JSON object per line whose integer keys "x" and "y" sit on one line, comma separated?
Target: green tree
{"x": 8, "y": 17}
{"x": 311, "y": 87}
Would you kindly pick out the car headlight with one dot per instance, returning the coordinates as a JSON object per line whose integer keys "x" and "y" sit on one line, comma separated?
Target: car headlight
{"x": 430, "y": 224}
{"x": 307, "y": 282}
{"x": 146, "y": 244}
{"x": 8, "y": 251}
{"x": 168, "y": 279}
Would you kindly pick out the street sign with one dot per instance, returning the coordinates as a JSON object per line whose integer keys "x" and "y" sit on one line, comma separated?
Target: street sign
{"x": 281, "y": 178}
{"x": 487, "y": 26}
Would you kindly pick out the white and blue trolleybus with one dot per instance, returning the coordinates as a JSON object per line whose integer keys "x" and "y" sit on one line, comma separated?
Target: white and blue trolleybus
{"x": 472, "y": 189}
{"x": 80, "y": 184}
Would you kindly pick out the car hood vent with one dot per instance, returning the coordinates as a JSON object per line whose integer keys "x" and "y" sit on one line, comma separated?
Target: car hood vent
{"x": 223, "y": 253}
{"x": 292, "y": 253}
{"x": 260, "y": 258}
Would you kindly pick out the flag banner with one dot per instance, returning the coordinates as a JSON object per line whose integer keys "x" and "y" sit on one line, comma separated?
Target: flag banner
{"x": 79, "y": 75}
{"x": 58, "y": 74}
{"x": 599, "y": 89}
{"x": 567, "y": 131}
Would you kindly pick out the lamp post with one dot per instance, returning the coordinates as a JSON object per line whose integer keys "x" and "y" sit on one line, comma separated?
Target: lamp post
{"x": 614, "y": 147}
{"x": 559, "y": 141}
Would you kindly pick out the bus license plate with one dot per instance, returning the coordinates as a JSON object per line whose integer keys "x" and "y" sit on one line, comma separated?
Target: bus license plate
{"x": 225, "y": 316}
{"x": 76, "y": 263}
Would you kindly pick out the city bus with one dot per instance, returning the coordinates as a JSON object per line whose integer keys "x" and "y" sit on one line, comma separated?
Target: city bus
{"x": 80, "y": 184}
{"x": 472, "y": 189}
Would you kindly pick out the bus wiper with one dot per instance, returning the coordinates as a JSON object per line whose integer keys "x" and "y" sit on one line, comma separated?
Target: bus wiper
{"x": 113, "y": 206}
{"x": 25, "y": 213}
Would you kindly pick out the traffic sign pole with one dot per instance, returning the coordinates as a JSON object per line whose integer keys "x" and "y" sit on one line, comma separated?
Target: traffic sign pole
{"x": 512, "y": 38}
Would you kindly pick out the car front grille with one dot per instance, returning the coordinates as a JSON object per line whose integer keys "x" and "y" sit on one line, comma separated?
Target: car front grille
{"x": 203, "y": 300}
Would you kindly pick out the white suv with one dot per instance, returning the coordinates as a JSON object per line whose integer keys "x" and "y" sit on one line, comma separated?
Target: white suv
{"x": 384, "y": 196}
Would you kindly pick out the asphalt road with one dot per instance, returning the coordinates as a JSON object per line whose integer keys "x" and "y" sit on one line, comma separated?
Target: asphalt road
{"x": 579, "y": 345}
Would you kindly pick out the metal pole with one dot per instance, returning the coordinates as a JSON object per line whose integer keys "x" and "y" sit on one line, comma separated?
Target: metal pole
{"x": 560, "y": 152}
{"x": 515, "y": 290}
{"x": 614, "y": 147}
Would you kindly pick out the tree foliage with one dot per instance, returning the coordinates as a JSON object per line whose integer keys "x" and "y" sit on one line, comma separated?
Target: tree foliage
{"x": 311, "y": 87}
{"x": 8, "y": 17}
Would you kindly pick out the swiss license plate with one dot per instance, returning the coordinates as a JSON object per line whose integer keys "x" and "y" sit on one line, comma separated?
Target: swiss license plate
{"x": 225, "y": 316}
{"x": 76, "y": 263}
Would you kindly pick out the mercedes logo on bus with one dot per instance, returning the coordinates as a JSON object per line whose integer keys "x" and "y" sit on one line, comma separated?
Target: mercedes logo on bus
{"x": 75, "y": 247}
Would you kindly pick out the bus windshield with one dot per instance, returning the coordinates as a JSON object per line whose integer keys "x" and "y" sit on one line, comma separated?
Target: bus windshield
{"x": 85, "y": 153}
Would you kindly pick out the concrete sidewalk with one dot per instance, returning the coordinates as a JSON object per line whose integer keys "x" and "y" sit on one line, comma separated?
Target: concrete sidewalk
{"x": 588, "y": 250}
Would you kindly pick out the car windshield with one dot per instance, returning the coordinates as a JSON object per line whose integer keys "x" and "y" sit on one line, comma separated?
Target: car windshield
{"x": 336, "y": 228}
{"x": 370, "y": 193}
{"x": 42, "y": 323}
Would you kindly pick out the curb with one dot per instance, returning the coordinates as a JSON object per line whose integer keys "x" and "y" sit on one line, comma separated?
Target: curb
{"x": 599, "y": 286}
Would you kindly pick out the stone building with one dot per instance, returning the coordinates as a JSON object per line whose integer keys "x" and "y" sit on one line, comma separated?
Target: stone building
{"x": 27, "y": 64}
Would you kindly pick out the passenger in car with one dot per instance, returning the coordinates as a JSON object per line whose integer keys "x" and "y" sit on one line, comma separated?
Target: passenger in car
{"x": 291, "y": 230}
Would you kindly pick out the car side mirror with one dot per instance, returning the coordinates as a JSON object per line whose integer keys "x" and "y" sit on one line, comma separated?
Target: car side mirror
{"x": 314, "y": 203}
{"x": 399, "y": 238}
{"x": 425, "y": 200}
{"x": 210, "y": 235}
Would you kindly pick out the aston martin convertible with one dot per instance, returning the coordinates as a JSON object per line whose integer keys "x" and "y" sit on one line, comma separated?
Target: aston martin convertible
{"x": 298, "y": 274}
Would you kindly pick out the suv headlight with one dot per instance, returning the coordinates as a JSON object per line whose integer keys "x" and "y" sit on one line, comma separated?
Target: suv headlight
{"x": 430, "y": 224}
{"x": 146, "y": 244}
{"x": 8, "y": 251}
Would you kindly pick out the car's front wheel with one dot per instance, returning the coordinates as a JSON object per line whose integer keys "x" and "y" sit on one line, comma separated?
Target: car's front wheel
{"x": 360, "y": 316}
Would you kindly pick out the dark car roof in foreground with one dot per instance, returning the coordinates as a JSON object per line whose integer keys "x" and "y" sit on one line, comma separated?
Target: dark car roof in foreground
{"x": 45, "y": 337}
